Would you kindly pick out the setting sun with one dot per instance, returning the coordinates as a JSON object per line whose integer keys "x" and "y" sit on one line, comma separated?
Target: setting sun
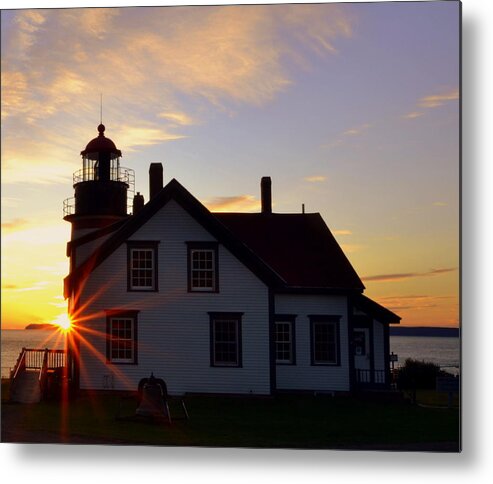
{"x": 63, "y": 322}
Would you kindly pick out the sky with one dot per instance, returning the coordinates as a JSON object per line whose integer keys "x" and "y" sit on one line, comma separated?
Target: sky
{"x": 351, "y": 109}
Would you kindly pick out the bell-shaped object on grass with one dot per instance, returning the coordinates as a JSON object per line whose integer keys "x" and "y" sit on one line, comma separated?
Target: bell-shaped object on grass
{"x": 152, "y": 403}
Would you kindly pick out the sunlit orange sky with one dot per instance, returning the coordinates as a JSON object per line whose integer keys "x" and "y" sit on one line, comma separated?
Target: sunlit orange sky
{"x": 352, "y": 109}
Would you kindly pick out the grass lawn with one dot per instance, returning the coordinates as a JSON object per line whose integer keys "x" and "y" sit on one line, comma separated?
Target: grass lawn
{"x": 283, "y": 421}
{"x": 438, "y": 399}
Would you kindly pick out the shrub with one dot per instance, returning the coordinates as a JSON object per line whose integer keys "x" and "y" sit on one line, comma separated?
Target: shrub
{"x": 417, "y": 374}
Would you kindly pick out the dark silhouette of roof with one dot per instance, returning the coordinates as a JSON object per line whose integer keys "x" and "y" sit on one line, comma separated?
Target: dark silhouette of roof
{"x": 375, "y": 310}
{"x": 101, "y": 144}
{"x": 298, "y": 247}
{"x": 284, "y": 250}
{"x": 174, "y": 190}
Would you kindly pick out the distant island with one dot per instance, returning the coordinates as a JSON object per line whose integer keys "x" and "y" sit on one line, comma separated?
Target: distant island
{"x": 424, "y": 331}
{"x": 40, "y": 326}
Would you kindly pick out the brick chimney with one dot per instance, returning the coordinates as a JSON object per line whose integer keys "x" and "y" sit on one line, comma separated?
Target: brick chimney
{"x": 266, "y": 194}
{"x": 138, "y": 203}
{"x": 155, "y": 179}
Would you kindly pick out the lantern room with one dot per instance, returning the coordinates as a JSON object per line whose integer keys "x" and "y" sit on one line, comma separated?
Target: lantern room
{"x": 103, "y": 188}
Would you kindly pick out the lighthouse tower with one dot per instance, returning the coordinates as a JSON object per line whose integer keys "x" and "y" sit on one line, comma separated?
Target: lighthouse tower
{"x": 102, "y": 188}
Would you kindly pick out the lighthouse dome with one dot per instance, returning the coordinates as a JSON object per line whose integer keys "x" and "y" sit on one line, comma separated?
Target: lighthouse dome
{"x": 101, "y": 144}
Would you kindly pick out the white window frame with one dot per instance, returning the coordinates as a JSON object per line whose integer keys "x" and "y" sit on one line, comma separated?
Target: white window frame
{"x": 133, "y": 286}
{"x": 290, "y": 341}
{"x": 235, "y": 318}
{"x": 127, "y": 319}
{"x": 212, "y": 270}
{"x": 335, "y": 325}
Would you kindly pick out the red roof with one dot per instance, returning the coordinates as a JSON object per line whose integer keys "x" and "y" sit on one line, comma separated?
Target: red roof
{"x": 298, "y": 247}
{"x": 374, "y": 309}
{"x": 287, "y": 251}
{"x": 101, "y": 144}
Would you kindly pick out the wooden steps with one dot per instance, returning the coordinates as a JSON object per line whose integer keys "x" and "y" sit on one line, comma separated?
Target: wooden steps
{"x": 26, "y": 388}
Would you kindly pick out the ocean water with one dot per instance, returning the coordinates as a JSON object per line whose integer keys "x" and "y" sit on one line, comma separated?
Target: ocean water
{"x": 444, "y": 352}
{"x": 13, "y": 340}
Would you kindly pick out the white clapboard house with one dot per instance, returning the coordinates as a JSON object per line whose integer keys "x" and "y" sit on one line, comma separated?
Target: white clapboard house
{"x": 234, "y": 303}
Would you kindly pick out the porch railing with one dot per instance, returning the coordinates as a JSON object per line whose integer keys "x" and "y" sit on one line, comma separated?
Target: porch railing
{"x": 43, "y": 360}
{"x": 20, "y": 365}
{"x": 36, "y": 359}
{"x": 369, "y": 377}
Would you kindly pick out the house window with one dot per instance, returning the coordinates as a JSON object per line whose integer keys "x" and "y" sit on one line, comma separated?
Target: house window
{"x": 203, "y": 267}
{"x": 142, "y": 266}
{"x": 121, "y": 337}
{"x": 325, "y": 340}
{"x": 284, "y": 338}
{"x": 225, "y": 333}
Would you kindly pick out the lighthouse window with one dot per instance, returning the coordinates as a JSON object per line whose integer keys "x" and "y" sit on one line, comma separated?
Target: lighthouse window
{"x": 142, "y": 271}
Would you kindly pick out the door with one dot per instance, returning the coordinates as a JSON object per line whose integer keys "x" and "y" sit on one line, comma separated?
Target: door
{"x": 361, "y": 345}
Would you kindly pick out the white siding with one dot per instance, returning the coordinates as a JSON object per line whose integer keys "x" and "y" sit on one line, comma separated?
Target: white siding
{"x": 173, "y": 325}
{"x": 303, "y": 375}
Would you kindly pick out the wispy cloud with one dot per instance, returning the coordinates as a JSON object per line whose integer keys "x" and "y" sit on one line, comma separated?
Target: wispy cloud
{"x": 98, "y": 22}
{"x": 37, "y": 286}
{"x": 160, "y": 80}
{"x": 417, "y": 302}
{"x": 135, "y": 136}
{"x": 14, "y": 92}
{"x": 24, "y": 170}
{"x": 38, "y": 235}
{"x": 215, "y": 52}
{"x": 32, "y": 160}
{"x": 240, "y": 203}
{"x": 342, "y": 232}
{"x": 9, "y": 286}
{"x": 28, "y": 24}
{"x": 59, "y": 304}
{"x": 413, "y": 302}
{"x": 413, "y": 115}
{"x": 315, "y": 28}
{"x": 413, "y": 297}
{"x": 347, "y": 134}
{"x": 10, "y": 202}
{"x": 406, "y": 275}
{"x": 13, "y": 225}
{"x": 415, "y": 307}
{"x": 357, "y": 130}
{"x": 182, "y": 119}
{"x": 315, "y": 179}
{"x": 439, "y": 204}
{"x": 437, "y": 100}
{"x": 433, "y": 101}
{"x": 58, "y": 269}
